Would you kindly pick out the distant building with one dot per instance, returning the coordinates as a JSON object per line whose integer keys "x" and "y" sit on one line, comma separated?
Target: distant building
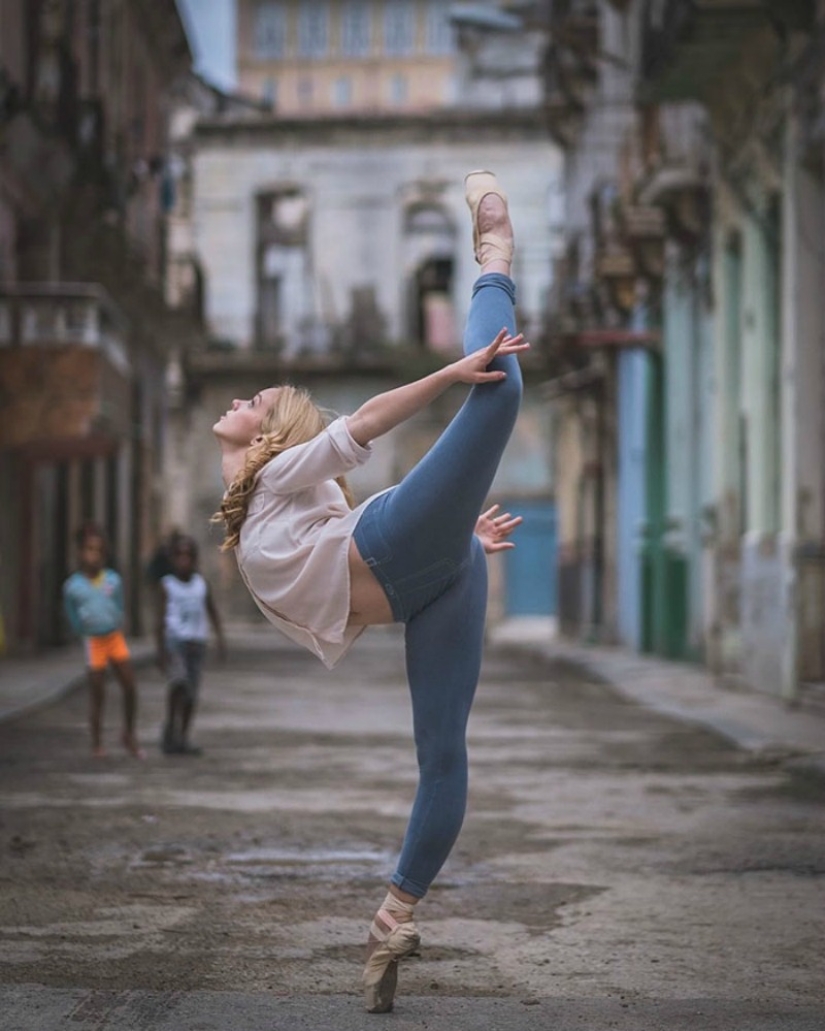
{"x": 320, "y": 58}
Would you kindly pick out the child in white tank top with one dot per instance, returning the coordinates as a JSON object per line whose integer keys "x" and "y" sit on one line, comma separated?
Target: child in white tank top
{"x": 185, "y": 610}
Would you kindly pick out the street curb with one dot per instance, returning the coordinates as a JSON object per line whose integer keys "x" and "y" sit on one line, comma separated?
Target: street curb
{"x": 141, "y": 656}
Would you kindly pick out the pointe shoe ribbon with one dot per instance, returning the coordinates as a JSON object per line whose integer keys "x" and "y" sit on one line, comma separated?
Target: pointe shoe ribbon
{"x": 487, "y": 245}
{"x": 395, "y": 941}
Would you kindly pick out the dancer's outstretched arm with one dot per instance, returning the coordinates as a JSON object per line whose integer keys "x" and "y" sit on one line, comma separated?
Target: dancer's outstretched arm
{"x": 386, "y": 411}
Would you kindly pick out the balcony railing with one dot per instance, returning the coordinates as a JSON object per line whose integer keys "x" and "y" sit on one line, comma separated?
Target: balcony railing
{"x": 569, "y": 68}
{"x": 686, "y": 43}
{"x": 61, "y": 314}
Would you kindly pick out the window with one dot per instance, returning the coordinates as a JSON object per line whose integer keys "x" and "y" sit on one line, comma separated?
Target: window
{"x": 399, "y": 91}
{"x": 399, "y": 27}
{"x": 355, "y": 29}
{"x": 439, "y": 29}
{"x": 342, "y": 91}
{"x": 313, "y": 17}
{"x": 270, "y": 30}
{"x": 428, "y": 219}
{"x": 269, "y": 91}
{"x": 305, "y": 91}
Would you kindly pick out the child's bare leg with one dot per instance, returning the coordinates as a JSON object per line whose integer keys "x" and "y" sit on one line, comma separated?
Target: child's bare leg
{"x": 126, "y": 676}
{"x": 97, "y": 695}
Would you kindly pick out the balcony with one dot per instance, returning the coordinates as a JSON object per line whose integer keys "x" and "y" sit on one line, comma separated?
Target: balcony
{"x": 65, "y": 368}
{"x": 643, "y": 230}
{"x": 570, "y": 66}
{"x": 688, "y": 44}
{"x": 670, "y": 191}
{"x": 615, "y": 266}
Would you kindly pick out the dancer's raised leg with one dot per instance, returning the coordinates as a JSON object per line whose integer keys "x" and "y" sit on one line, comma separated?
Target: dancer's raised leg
{"x": 427, "y": 521}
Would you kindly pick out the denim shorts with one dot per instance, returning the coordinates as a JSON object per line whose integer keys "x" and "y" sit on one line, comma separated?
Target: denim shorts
{"x": 408, "y": 583}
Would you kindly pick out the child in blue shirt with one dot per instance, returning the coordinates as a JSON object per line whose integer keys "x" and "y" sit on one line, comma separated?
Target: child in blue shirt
{"x": 93, "y": 599}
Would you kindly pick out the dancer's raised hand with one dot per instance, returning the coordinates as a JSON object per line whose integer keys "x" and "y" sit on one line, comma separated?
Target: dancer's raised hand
{"x": 473, "y": 367}
{"x": 493, "y": 529}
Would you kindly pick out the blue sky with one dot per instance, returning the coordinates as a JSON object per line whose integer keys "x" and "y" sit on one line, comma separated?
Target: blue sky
{"x": 211, "y": 28}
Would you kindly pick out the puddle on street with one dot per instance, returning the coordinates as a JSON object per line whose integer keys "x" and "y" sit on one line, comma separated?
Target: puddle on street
{"x": 260, "y": 864}
{"x": 321, "y": 864}
{"x": 164, "y": 855}
{"x": 278, "y": 855}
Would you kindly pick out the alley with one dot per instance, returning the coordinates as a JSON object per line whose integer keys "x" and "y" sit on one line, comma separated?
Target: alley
{"x": 616, "y": 869}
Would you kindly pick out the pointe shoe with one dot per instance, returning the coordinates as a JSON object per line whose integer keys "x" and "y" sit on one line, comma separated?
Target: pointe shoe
{"x": 487, "y": 245}
{"x": 381, "y": 971}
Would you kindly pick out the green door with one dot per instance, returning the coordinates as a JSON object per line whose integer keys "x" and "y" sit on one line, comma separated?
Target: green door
{"x": 664, "y": 571}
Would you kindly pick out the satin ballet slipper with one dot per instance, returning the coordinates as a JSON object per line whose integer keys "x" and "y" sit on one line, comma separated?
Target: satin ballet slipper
{"x": 393, "y": 941}
{"x": 489, "y": 244}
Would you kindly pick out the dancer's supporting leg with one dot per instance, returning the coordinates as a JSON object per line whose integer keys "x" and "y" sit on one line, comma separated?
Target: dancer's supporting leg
{"x": 443, "y": 651}
{"x": 443, "y": 644}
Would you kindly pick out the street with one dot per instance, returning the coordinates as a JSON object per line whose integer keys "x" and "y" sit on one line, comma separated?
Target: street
{"x": 616, "y": 868}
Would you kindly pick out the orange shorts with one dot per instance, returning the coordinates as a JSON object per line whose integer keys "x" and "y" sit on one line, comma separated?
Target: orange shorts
{"x": 100, "y": 651}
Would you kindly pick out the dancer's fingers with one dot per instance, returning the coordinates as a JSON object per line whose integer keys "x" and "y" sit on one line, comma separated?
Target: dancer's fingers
{"x": 503, "y": 338}
{"x": 506, "y": 528}
{"x": 512, "y": 348}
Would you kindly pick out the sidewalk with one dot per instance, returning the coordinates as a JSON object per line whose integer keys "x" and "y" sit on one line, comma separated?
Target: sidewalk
{"x": 754, "y": 722}
{"x": 28, "y": 683}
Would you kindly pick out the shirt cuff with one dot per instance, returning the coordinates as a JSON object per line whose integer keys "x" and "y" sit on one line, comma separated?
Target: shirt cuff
{"x": 347, "y": 446}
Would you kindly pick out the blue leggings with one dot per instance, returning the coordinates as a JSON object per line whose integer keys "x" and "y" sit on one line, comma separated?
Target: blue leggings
{"x": 418, "y": 540}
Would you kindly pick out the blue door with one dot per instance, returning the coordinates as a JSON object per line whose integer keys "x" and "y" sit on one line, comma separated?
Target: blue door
{"x": 530, "y": 567}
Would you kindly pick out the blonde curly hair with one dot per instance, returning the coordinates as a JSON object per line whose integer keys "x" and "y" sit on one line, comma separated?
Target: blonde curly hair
{"x": 292, "y": 419}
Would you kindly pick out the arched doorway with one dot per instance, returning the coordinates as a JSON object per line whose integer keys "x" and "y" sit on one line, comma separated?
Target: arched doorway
{"x": 429, "y": 241}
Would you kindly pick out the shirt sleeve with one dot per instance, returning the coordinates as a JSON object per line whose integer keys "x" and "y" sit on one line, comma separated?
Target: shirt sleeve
{"x": 332, "y": 453}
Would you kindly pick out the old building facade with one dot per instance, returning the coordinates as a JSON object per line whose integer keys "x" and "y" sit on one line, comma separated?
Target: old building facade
{"x": 703, "y": 297}
{"x": 83, "y": 324}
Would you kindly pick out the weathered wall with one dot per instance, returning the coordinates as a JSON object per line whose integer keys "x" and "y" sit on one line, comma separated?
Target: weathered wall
{"x": 358, "y": 184}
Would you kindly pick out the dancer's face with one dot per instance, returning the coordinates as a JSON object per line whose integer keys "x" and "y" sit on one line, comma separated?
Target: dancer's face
{"x": 242, "y": 422}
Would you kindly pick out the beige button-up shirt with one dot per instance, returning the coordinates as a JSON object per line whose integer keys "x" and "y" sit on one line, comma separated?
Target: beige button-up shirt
{"x": 293, "y": 552}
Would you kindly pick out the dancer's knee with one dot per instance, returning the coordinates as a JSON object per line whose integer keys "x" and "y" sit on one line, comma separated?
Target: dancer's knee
{"x": 443, "y": 758}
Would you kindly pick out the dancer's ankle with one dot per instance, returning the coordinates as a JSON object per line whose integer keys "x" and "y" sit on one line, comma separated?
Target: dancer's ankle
{"x": 496, "y": 265}
{"x": 399, "y": 907}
